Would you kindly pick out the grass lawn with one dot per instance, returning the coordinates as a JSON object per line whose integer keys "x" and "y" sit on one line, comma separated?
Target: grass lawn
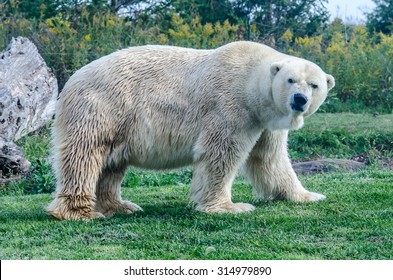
{"x": 342, "y": 136}
{"x": 354, "y": 222}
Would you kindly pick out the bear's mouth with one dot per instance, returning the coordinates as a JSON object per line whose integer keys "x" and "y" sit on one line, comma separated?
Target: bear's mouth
{"x": 297, "y": 108}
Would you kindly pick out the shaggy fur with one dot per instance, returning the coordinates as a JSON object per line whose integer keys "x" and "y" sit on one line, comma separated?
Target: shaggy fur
{"x": 160, "y": 107}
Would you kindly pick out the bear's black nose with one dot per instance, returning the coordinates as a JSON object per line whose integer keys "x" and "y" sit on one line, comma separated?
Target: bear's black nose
{"x": 298, "y": 102}
{"x": 300, "y": 99}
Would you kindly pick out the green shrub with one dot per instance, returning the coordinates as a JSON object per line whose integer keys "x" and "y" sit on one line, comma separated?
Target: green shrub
{"x": 41, "y": 179}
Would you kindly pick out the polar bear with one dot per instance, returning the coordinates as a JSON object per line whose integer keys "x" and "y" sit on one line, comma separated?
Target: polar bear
{"x": 162, "y": 107}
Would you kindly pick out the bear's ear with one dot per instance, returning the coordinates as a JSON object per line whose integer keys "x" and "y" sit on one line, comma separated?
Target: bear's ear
{"x": 330, "y": 81}
{"x": 275, "y": 67}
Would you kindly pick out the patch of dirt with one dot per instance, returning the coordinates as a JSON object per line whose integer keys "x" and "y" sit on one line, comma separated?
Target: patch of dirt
{"x": 355, "y": 163}
{"x": 327, "y": 165}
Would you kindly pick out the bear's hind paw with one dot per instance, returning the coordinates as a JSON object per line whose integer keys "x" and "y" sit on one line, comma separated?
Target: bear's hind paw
{"x": 75, "y": 215}
{"x": 123, "y": 206}
{"x": 130, "y": 207}
{"x": 66, "y": 207}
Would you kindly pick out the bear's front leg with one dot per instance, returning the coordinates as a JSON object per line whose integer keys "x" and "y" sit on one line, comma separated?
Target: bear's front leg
{"x": 212, "y": 192}
{"x": 218, "y": 158}
{"x": 270, "y": 171}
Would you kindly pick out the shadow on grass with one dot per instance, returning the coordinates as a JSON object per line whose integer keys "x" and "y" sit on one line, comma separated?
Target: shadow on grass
{"x": 175, "y": 211}
{"x": 179, "y": 210}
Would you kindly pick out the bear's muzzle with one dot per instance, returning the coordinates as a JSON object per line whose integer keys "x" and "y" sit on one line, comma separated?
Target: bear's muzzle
{"x": 298, "y": 102}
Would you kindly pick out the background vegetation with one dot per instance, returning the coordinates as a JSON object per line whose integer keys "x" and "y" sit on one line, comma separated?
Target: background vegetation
{"x": 70, "y": 33}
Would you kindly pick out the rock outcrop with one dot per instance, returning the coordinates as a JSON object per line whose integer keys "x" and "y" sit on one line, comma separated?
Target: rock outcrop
{"x": 28, "y": 93}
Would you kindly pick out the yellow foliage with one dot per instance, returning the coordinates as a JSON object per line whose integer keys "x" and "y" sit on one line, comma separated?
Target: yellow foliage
{"x": 293, "y": 52}
{"x": 254, "y": 29}
{"x": 59, "y": 26}
{"x": 177, "y": 20}
{"x": 110, "y": 22}
{"x": 208, "y": 30}
{"x": 198, "y": 35}
{"x": 163, "y": 39}
{"x": 309, "y": 42}
{"x": 386, "y": 44}
{"x": 361, "y": 31}
{"x": 195, "y": 22}
{"x": 228, "y": 27}
{"x": 287, "y": 36}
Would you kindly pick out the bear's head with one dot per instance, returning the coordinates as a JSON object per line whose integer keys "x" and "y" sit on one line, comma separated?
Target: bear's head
{"x": 299, "y": 87}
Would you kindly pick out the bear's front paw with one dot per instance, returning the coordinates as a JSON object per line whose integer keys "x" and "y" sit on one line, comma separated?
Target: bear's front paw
{"x": 315, "y": 196}
{"x": 228, "y": 207}
{"x": 306, "y": 197}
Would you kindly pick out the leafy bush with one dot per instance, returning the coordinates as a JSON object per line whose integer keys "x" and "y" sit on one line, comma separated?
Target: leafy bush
{"x": 41, "y": 179}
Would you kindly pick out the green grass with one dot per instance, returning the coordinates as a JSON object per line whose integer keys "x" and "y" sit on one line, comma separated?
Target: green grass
{"x": 354, "y": 222}
{"x": 342, "y": 136}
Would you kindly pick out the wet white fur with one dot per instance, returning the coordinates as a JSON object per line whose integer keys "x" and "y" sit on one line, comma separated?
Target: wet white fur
{"x": 160, "y": 107}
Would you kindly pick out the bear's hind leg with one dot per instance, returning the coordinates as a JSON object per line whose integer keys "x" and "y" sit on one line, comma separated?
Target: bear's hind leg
{"x": 108, "y": 194}
{"x": 77, "y": 172}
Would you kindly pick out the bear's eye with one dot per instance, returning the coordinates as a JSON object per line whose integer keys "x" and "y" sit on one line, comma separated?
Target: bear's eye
{"x": 314, "y": 86}
{"x": 291, "y": 81}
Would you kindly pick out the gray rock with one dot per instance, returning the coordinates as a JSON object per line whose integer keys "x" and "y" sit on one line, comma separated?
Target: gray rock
{"x": 12, "y": 160}
{"x": 28, "y": 93}
{"x": 28, "y": 90}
